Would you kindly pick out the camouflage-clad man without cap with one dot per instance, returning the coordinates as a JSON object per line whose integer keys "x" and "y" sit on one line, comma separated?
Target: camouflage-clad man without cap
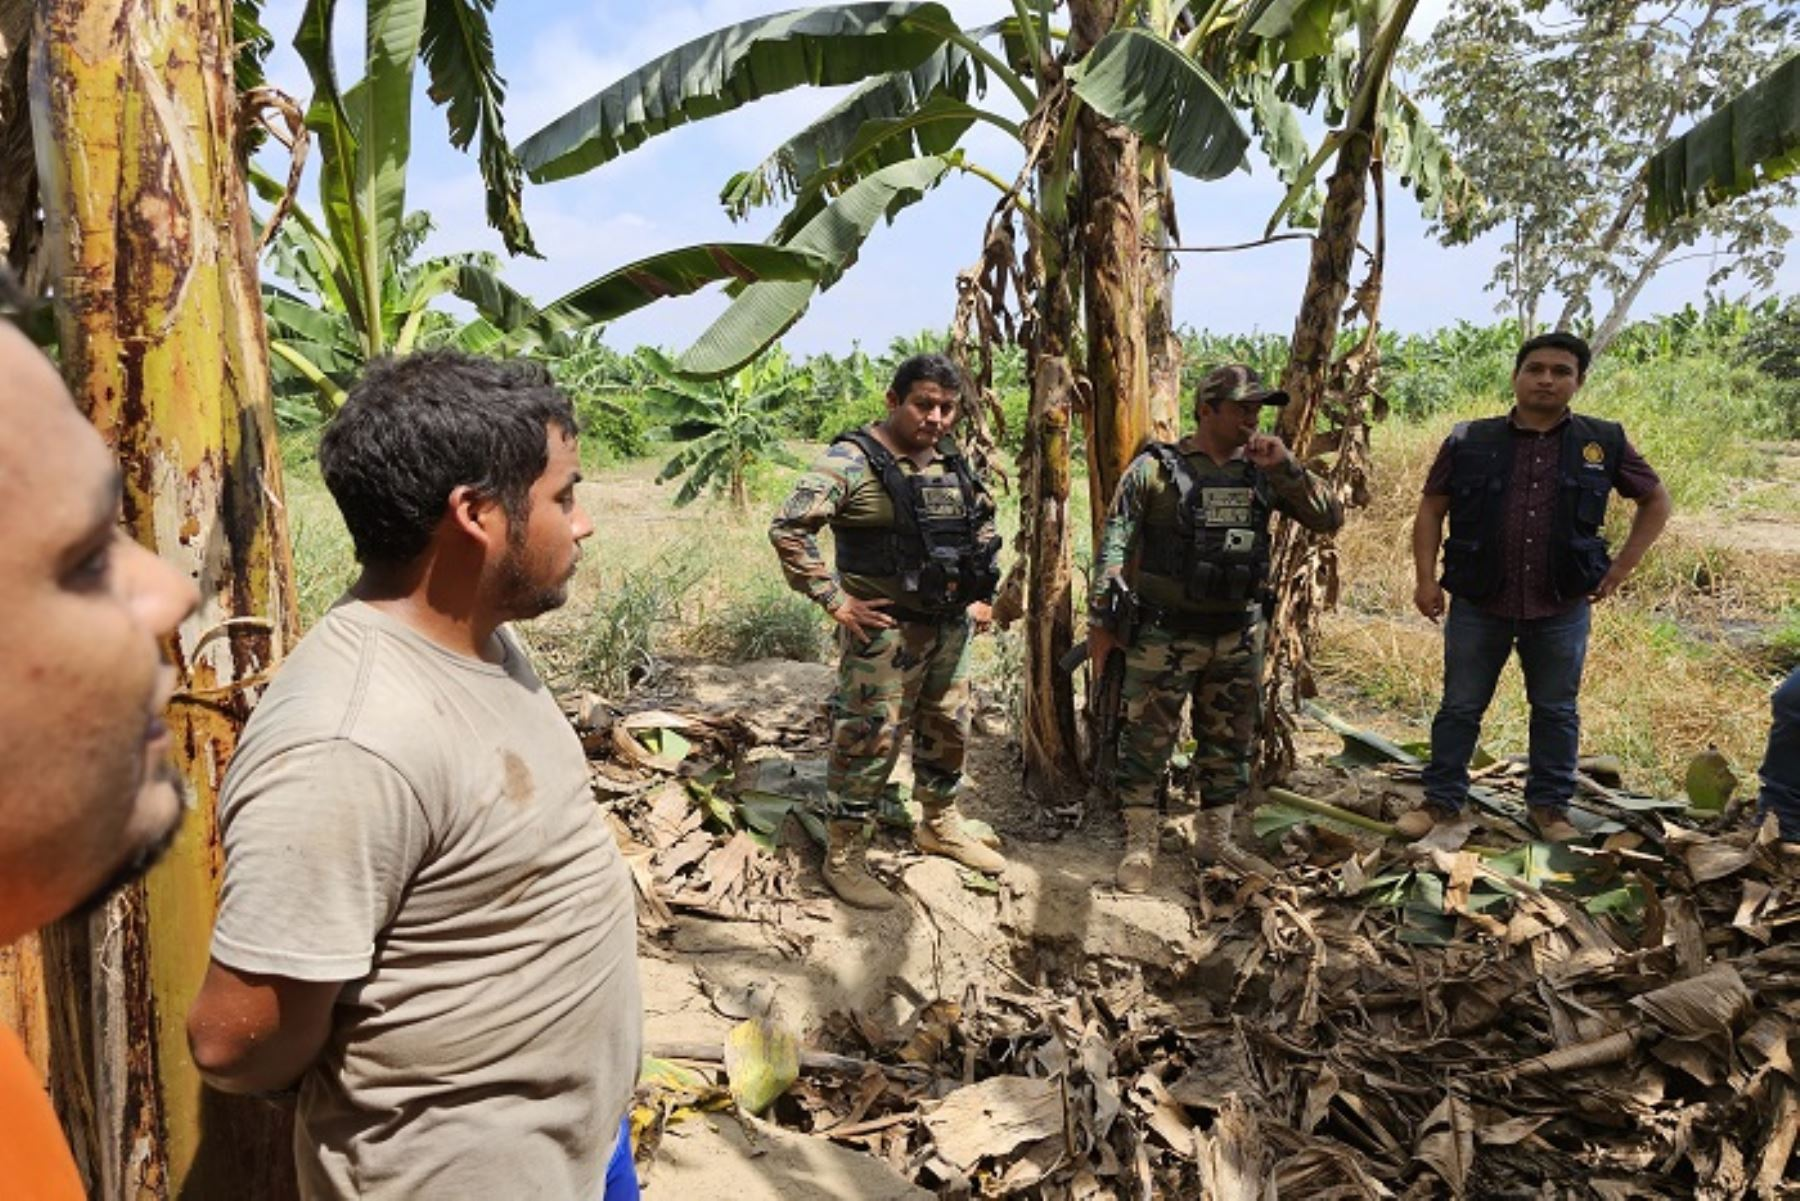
{"x": 1189, "y": 530}
{"x": 916, "y": 567}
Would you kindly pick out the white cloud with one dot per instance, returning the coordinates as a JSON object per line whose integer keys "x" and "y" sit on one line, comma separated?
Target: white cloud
{"x": 556, "y": 53}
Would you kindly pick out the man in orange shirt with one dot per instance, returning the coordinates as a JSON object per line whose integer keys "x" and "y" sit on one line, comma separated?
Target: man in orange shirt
{"x": 87, "y": 795}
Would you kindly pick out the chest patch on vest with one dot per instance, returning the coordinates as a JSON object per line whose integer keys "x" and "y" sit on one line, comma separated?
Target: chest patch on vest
{"x": 1225, "y": 506}
{"x": 941, "y": 500}
{"x": 1593, "y": 454}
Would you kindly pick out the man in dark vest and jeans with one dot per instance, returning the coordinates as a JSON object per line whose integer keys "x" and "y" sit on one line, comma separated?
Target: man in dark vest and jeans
{"x": 917, "y": 565}
{"x": 1526, "y": 496}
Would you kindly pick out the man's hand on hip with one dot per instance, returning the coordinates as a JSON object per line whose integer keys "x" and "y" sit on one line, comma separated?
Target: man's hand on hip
{"x": 862, "y": 617}
{"x": 1609, "y": 583}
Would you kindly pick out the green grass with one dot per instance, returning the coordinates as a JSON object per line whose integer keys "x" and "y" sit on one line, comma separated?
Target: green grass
{"x": 324, "y": 560}
{"x": 615, "y": 643}
{"x": 767, "y": 620}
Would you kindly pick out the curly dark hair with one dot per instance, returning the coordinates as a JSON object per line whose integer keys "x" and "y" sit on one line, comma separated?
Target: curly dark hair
{"x": 936, "y": 369}
{"x": 416, "y": 427}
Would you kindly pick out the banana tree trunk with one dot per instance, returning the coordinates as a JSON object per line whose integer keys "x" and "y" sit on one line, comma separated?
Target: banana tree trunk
{"x": 18, "y": 175}
{"x": 1048, "y": 738}
{"x": 147, "y": 229}
{"x": 1118, "y": 361}
{"x": 1303, "y": 565}
{"x": 1327, "y": 287}
{"x": 1159, "y": 233}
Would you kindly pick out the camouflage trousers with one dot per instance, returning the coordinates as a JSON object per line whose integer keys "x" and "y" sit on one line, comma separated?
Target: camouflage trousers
{"x": 1163, "y": 670}
{"x": 913, "y": 674}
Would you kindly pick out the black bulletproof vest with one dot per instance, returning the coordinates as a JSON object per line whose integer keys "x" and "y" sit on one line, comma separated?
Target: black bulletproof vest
{"x": 1221, "y": 549}
{"x": 932, "y": 547}
{"x": 1480, "y": 474}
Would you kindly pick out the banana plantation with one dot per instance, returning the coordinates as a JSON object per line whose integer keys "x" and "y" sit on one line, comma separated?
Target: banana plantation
{"x": 1480, "y": 1012}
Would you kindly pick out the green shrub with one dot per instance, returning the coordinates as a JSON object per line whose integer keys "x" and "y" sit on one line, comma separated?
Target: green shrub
{"x": 613, "y": 647}
{"x": 612, "y": 427}
{"x": 769, "y": 622}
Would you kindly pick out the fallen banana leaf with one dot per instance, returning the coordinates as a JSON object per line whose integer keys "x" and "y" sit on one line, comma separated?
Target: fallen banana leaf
{"x": 993, "y": 1118}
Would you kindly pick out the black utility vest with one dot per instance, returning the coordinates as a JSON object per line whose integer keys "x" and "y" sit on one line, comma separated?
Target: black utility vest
{"x": 1480, "y": 475}
{"x": 933, "y": 546}
{"x": 1220, "y": 552}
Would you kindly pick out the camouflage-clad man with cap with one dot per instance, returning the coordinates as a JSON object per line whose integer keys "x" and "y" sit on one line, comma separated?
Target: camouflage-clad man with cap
{"x": 1188, "y": 530}
{"x": 917, "y": 564}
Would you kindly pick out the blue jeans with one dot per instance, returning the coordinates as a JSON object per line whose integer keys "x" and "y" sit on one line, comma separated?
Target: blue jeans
{"x": 1780, "y": 770}
{"x": 1476, "y": 647}
{"x": 621, "y": 1173}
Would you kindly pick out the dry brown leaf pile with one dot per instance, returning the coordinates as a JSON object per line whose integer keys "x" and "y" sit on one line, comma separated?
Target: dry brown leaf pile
{"x": 1380, "y": 1022}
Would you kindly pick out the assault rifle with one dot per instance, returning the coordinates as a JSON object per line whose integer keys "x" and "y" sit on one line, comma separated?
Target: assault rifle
{"x": 1118, "y": 614}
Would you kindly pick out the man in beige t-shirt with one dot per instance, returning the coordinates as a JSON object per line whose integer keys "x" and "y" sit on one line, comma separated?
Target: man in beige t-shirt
{"x": 424, "y": 921}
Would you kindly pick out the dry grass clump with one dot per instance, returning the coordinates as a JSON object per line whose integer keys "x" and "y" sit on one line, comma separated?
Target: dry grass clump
{"x": 1651, "y": 694}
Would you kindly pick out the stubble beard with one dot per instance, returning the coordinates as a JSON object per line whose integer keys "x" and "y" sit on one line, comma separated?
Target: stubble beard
{"x": 522, "y": 596}
{"x": 147, "y": 854}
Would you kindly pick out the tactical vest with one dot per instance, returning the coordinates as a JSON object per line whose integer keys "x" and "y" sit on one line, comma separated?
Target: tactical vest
{"x": 932, "y": 548}
{"x": 1217, "y": 555}
{"x": 1480, "y": 474}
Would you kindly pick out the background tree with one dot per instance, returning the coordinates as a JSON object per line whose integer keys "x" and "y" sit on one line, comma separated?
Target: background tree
{"x": 921, "y": 78}
{"x": 727, "y": 427}
{"x": 1594, "y": 88}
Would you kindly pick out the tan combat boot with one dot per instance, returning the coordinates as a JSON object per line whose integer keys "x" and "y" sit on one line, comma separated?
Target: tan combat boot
{"x": 1143, "y": 827}
{"x": 940, "y": 832}
{"x": 846, "y": 869}
{"x": 1415, "y": 824}
{"x": 1213, "y": 843}
{"x": 1552, "y": 825}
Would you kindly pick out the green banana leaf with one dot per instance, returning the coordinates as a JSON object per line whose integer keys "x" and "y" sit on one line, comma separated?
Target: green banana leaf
{"x": 365, "y": 140}
{"x": 1423, "y": 160}
{"x": 1754, "y": 138}
{"x": 458, "y": 48}
{"x": 350, "y": 225}
{"x": 1277, "y": 124}
{"x": 730, "y": 67}
{"x": 680, "y": 272}
{"x": 1145, "y": 82}
{"x": 1301, "y": 28}
{"x": 840, "y": 136}
{"x": 763, "y": 312}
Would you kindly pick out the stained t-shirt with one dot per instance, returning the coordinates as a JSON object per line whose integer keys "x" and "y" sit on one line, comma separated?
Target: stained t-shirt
{"x": 420, "y": 824}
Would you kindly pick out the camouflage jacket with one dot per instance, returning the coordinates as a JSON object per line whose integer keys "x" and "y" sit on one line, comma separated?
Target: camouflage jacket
{"x": 1146, "y": 486}
{"x": 840, "y": 489}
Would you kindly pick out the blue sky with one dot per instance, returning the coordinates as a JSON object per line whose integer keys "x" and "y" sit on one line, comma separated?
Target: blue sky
{"x": 556, "y": 53}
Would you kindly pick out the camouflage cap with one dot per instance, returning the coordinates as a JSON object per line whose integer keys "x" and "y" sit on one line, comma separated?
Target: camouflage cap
{"x": 1235, "y": 381}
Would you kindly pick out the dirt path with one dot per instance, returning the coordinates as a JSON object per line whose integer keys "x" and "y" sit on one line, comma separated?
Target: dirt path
{"x": 1766, "y": 533}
